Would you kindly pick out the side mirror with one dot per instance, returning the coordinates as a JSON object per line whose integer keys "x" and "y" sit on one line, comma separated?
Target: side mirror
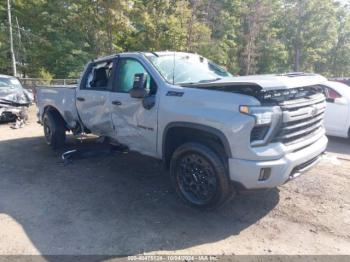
{"x": 139, "y": 87}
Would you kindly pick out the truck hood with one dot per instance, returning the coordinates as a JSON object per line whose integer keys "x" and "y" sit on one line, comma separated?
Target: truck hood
{"x": 265, "y": 82}
{"x": 15, "y": 96}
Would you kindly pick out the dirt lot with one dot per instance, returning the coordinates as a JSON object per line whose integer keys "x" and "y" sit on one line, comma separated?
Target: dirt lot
{"x": 123, "y": 204}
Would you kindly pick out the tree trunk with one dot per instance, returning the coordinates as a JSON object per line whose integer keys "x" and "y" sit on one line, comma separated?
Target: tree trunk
{"x": 298, "y": 41}
{"x": 253, "y": 20}
{"x": 190, "y": 32}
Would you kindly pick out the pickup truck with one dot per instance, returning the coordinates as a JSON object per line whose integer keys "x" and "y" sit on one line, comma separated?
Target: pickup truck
{"x": 217, "y": 134}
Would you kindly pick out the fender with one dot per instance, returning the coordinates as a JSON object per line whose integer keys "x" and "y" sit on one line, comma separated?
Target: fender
{"x": 208, "y": 129}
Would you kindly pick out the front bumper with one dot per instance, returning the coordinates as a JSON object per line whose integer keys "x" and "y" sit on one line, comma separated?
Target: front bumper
{"x": 9, "y": 114}
{"x": 246, "y": 172}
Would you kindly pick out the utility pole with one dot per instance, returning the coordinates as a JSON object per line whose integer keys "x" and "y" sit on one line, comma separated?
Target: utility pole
{"x": 14, "y": 69}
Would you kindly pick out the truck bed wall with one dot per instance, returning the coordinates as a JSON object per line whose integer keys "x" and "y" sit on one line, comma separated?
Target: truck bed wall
{"x": 62, "y": 99}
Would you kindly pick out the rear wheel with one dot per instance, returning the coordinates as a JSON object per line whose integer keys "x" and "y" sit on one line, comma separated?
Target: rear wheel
{"x": 54, "y": 130}
{"x": 199, "y": 176}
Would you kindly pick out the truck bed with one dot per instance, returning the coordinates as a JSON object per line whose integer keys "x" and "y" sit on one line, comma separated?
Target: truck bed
{"x": 60, "y": 97}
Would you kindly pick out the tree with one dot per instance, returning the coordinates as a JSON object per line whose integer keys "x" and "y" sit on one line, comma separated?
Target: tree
{"x": 339, "y": 62}
{"x": 246, "y": 36}
{"x": 310, "y": 33}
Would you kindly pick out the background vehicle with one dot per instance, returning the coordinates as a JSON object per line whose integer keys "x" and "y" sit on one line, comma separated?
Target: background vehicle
{"x": 344, "y": 80}
{"x": 14, "y": 99}
{"x": 337, "y": 117}
{"x": 214, "y": 132}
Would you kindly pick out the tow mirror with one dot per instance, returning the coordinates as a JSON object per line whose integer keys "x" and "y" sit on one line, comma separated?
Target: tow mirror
{"x": 139, "y": 87}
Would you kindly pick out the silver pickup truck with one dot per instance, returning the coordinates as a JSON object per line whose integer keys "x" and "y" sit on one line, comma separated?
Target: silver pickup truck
{"x": 215, "y": 133}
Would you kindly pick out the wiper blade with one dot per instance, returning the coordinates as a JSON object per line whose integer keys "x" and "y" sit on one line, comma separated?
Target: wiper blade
{"x": 200, "y": 82}
{"x": 209, "y": 80}
{"x": 13, "y": 103}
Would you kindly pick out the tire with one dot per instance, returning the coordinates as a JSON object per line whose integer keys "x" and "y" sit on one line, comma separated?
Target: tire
{"x": 199, "y": 176}
{"x": 54, "y": 130}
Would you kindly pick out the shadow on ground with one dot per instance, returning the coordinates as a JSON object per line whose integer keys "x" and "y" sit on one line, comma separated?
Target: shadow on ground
{"x": 338, "y": 145}
{"x": 117, "y": 205}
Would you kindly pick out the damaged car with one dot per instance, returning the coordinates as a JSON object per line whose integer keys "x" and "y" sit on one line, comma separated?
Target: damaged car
{"x": 14, "y": 100}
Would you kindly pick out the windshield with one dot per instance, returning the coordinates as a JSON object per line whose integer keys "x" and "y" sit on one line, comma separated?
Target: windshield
{"x": 183, "y": 68}
{"x": 9, "y": 83}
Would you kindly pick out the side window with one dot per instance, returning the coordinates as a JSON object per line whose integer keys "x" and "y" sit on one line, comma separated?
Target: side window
{"x": 99, "y": 76}
{"x": 127, "y": 68}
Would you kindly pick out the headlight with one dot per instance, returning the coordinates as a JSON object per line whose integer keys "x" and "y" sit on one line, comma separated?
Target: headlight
{"x": 267, "y": 120}
{"x": 262, "y": 115}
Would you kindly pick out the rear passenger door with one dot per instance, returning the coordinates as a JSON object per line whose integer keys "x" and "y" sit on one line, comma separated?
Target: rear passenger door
{"x": 92, "y": 97}
{"x": 134, "y": 125}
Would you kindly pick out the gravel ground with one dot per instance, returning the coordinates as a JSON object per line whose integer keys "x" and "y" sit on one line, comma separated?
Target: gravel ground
{"x": 123, "y": 204}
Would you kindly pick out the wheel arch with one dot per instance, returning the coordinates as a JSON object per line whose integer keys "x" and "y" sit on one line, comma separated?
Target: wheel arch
{"x": 177, "y": 133}
{"x": 55, "y": 112}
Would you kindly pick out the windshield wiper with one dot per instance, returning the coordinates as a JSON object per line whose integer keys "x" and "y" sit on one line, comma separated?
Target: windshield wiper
{"x": 199, "y": 82}
{"x": 209, "y": 80}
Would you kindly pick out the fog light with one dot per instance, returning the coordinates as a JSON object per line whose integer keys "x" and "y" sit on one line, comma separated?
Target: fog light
{"x": 265, "y": 173}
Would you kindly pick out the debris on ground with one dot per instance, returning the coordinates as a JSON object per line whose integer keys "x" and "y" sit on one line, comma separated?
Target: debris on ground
{"x": 82, "y": 153}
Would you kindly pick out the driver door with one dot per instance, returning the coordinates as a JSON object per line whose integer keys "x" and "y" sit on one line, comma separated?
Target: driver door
{"x": 133, "y": 125}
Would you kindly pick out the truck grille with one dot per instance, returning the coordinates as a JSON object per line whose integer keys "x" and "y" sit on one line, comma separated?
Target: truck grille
{"x": 300, "y": 118}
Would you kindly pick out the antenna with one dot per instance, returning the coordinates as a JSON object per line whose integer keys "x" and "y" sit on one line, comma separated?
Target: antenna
{"x": 174, "y": 70}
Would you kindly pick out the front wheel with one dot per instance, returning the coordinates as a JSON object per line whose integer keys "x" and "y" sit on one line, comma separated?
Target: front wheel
{"x": 199, "y": 176}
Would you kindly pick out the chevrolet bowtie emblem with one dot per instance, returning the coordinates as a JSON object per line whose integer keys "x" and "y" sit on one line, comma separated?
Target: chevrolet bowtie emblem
{"x": 314, "y": 111}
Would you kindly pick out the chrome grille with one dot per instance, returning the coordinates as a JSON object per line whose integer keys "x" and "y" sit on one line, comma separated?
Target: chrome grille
{"x": 301, "y": 118}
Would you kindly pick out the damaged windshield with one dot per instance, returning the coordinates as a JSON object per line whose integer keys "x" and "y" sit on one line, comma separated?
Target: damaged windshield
{"x": 9, "y": 83}
{"x": 184, "y": 68}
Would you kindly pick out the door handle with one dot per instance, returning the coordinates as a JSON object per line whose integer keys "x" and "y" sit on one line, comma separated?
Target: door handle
{"x": 117, "y": 103}
{"x": 81, "y": 99}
